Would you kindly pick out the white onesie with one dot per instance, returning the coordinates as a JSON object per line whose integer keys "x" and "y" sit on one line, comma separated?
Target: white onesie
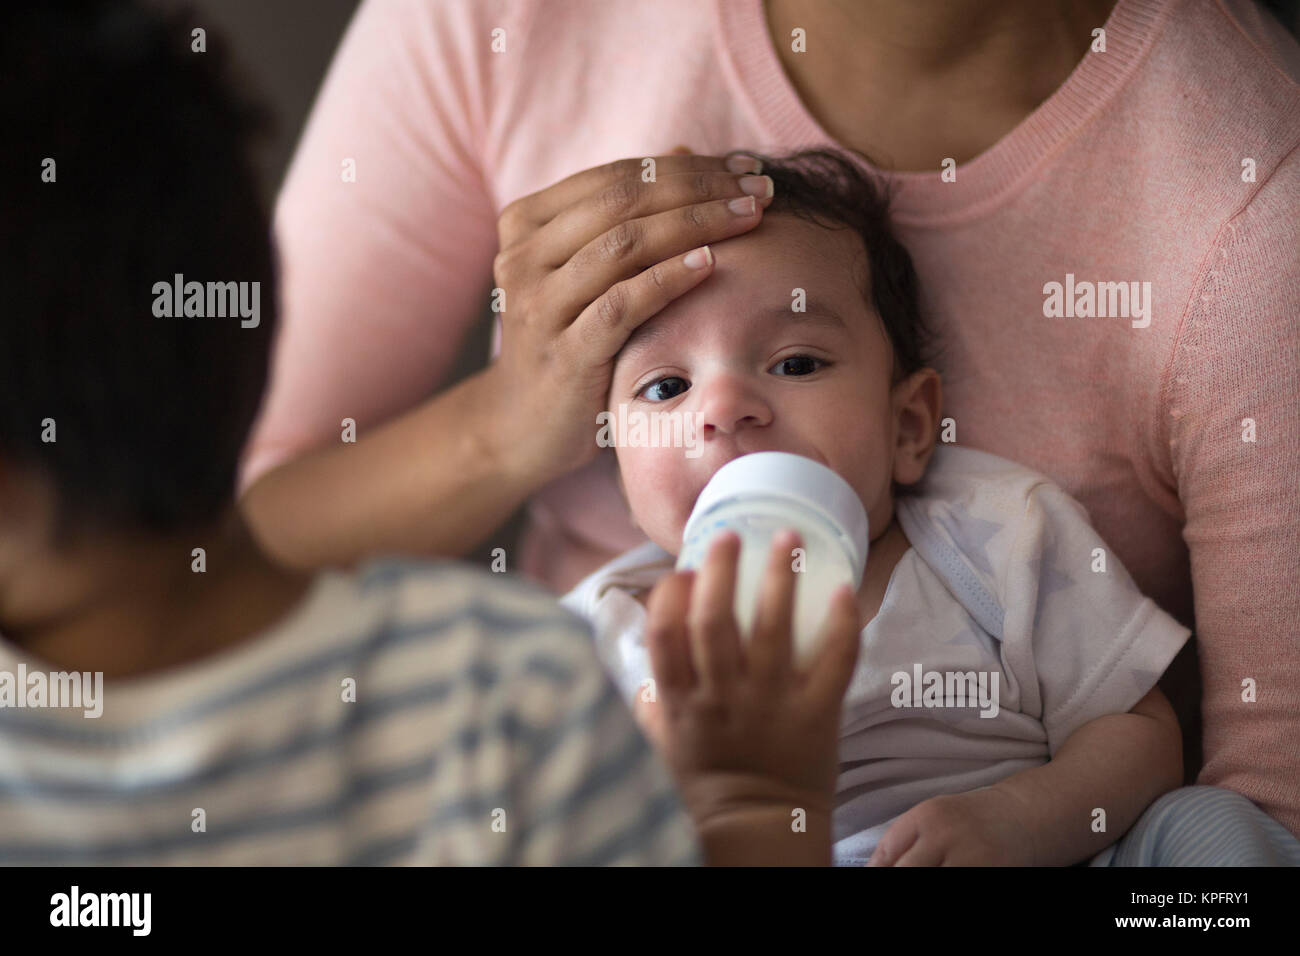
{"x": 1007, "y": 597}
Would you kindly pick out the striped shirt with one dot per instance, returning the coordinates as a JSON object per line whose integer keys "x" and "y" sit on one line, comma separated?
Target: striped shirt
{"x": 406, "y": 714}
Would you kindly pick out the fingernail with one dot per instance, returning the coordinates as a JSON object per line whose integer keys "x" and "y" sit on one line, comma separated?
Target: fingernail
{"x": 744, "y": 164}
{"x": 743, "y": 207}
{"x": 760, "y": 187}
{"x": 698, "y": 258}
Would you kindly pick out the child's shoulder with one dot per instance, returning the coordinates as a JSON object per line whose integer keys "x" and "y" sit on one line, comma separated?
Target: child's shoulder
{"x": 412, "y": 585}
{"x": 435, "y": 613}
{"x": 442, "y": 592}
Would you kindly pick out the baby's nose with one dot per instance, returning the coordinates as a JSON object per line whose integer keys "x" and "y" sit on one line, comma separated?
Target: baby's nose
{"x": 731, "y": 405}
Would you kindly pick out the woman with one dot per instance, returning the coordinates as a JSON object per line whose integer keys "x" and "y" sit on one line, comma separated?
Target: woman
{"x": 1099, "y": 199}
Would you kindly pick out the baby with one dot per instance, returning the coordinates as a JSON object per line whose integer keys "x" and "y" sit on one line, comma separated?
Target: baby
{"x": 1004, "y": 706}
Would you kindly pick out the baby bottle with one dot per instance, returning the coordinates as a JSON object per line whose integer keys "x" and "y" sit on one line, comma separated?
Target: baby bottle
{"x": 758, "y": 495}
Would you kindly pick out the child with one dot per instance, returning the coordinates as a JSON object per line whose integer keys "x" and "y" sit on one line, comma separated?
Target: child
{"x": 405, "y": 713}
{"x": 978, "y": 568}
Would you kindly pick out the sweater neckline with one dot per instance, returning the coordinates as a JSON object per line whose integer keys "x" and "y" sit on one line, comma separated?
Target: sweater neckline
{"x": 758, "y": 80}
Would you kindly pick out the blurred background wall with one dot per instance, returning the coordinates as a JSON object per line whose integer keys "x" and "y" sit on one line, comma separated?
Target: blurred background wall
{"x": 282, "y": 48}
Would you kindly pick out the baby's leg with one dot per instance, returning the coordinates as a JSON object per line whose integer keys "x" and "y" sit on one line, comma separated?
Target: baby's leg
{"x": 1204, "y": 826}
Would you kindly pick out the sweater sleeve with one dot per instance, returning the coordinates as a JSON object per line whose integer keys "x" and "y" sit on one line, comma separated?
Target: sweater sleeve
{"x": 385, "y": 226}
{"x": 1231, "y": 405}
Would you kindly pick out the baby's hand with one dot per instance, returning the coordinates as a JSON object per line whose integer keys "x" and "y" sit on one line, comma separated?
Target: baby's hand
{"x": 978, "y": 828}
{"x": 749, "y": 736}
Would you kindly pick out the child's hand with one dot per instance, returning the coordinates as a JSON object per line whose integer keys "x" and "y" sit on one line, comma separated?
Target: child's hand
{"x": 748, "y": 735}
{"x": 978, "y": 828}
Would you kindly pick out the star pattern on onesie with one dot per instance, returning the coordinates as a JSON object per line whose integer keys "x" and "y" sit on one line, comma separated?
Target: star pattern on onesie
{"x": 1050, "y": 580}
{"x": 974, "y": 535}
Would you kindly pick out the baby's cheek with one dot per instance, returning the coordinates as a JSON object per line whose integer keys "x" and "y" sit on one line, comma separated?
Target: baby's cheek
{"x": 871, "y": 472}
{"x": 658, "y": 486}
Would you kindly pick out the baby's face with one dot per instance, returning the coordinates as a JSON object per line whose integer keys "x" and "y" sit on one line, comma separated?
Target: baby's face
{"x": 760, "y": 376}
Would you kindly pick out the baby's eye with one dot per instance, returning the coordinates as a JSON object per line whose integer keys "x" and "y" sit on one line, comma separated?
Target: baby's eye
{"x": 797, "y": 365}
{"x": 664, "y": 389}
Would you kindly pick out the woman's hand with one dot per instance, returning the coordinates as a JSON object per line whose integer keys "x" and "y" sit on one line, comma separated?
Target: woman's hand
{"x": 752, "y": 740}
{"x": 582, "y": 264}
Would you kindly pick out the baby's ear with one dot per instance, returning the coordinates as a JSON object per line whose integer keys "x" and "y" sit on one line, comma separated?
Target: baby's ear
{"x": 918, "y": 400}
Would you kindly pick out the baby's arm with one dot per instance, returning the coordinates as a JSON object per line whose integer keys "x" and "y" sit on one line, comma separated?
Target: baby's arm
{"x": 1119, "y": 763}
{"x": 1102, "y": 757}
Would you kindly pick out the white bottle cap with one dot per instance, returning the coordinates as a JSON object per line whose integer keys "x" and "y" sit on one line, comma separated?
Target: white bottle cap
{"x": 784, "y": 475}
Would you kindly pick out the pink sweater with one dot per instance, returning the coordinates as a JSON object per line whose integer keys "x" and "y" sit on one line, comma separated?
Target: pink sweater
{"x": 1131, "y": 172}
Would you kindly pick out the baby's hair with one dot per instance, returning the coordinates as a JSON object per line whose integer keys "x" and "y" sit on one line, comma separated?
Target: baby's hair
{"x": 833, "y": 189}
